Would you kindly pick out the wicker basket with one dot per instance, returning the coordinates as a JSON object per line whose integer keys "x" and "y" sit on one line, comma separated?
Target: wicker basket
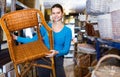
{"x": 84, "y": 60}
{"x": 97, "y": 7}
{"x": 109, "y": 24}
{"x": 115, "y": 16}
{"x": 80, "y": 71}
{"x": 105, "y": 26}
{"x": 107, "y": 70}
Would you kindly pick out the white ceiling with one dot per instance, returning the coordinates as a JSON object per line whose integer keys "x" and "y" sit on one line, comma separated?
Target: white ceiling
{"x": 71, "y": 5}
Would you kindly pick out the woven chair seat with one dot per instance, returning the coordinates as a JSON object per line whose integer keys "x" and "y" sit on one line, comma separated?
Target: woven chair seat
{"x": 24, "y": 52}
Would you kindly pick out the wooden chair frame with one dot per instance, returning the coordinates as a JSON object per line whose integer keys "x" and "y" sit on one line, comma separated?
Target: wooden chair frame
{"x": 30, "y": 52}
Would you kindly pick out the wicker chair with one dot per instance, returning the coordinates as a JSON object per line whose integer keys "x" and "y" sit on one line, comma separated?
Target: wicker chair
{"x": 27, "y": 53}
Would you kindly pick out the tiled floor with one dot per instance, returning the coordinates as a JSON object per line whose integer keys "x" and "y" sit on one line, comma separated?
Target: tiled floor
{"x": 69, "y": 67}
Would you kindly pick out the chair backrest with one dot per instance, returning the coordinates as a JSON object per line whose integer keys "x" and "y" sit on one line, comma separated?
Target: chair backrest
{"x": 22, "y": 19}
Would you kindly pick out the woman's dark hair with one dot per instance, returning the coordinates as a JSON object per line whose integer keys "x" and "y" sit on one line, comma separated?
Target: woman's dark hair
{"x": 58, "y": 6}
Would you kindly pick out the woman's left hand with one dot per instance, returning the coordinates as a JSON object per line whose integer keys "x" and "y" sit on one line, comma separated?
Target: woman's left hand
{"x": 52, "y": 54}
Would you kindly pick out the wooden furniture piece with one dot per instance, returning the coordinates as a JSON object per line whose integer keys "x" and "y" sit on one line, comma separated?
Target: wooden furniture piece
{"x": 28, "y": 53}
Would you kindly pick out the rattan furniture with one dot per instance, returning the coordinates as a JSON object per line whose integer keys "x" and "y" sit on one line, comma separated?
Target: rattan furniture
{"x": 28, "y": 53}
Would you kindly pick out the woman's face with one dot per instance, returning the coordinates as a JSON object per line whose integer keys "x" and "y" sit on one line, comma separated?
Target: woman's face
{"x": 57, "y": 14}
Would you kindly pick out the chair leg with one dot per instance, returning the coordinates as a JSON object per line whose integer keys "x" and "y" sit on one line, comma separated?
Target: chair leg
{"x": 53, "y": 67}
{"x": 53, "y": 71}
{"x": 16, "y": 70}
{"x": 26, "y": 69}
{"x": 24, "y": 66}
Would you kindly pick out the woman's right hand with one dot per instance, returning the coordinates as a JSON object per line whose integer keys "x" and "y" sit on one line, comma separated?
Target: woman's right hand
{"x": 14, "y": 37}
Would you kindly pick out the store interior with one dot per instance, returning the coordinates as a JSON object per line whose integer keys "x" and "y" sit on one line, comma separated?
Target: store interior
{"x": 95, "y": 34}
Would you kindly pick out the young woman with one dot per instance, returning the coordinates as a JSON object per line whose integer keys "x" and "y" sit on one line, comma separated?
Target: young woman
{"x": 62, "y": 36}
